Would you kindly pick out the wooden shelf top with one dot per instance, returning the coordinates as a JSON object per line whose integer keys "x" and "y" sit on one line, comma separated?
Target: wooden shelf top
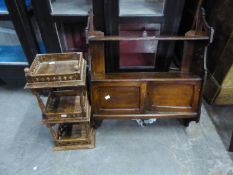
{"x": 147, "y": 76}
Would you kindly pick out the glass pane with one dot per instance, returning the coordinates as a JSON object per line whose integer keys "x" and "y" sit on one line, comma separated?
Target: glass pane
{"x": 72, "y": 37}
{"x": 10, "y": 47}
{"x": 138, "y": 54}
{"x": 71, "y": 7}
{"x": 38, "y": 35}
{"x": 141, "y": 7}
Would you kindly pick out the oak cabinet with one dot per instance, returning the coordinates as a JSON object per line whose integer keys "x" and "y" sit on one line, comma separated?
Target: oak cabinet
{"x": 145, "y": 98}
{"x": 141, "y": 94}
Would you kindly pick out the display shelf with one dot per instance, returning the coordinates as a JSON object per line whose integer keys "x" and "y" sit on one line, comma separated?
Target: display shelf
{"x": 141, "y": 7}
{"x": 138, "y": 54}
{"x": 71, "y": 7}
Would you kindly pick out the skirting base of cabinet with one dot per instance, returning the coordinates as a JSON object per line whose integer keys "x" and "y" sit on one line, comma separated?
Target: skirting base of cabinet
{"x": 145, "y": 116}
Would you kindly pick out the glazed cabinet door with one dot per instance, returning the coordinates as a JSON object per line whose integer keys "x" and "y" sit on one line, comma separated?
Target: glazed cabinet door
{"x": 174, "y": 97}
{"x": 118, "y": 98}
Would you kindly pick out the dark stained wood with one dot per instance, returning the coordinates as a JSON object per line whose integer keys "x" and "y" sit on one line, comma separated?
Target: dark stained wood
{"x": 127, "y": 97}
{"x": 170, "y": 26}
{"x": 157, "y": 38}
{"x": 178, "y": 115}
{"x": 187, "y": 56}
{"x": 111, "y": 11}
{"x": 117, "y": 97}
{"x": 97, "y": 63}
{"x": 144, "y": 95}
{"x": 47, "y": 27}
{"x": 220, "y": 17}
{"x": 148, "y": 76}
{"x": 18, "y": 14}
{"x": 12, "y": 72}
{"x": 98, "y": 9}
{"x": 166, "y": 97}
{"x": 169, "y": 20}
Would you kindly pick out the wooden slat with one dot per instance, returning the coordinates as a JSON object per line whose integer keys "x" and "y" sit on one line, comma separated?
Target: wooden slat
{"x": 147, "y": 76}
{"x": 188, "y": 52}
{"x": 146, "y": 116}
{"x": 157, "y": 38}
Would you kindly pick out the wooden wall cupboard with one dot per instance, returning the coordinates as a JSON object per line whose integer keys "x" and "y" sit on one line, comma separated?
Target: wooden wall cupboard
{"x": 142, "y": 95}
{"x": 146, "y": 98}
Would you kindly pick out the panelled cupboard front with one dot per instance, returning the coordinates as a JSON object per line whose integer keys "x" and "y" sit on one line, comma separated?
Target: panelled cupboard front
{"x": 146, "y": 98}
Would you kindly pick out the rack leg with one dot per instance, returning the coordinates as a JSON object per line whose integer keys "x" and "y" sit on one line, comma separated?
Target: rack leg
{"x": 82, "y": 101}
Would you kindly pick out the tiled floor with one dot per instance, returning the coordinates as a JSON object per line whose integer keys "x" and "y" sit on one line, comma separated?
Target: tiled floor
{"x": 164, "y": 148}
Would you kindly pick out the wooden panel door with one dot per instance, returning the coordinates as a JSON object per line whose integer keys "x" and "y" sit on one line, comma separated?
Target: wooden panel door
{"x": 118, "y": 98}
{"x": 170, "y": 97}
